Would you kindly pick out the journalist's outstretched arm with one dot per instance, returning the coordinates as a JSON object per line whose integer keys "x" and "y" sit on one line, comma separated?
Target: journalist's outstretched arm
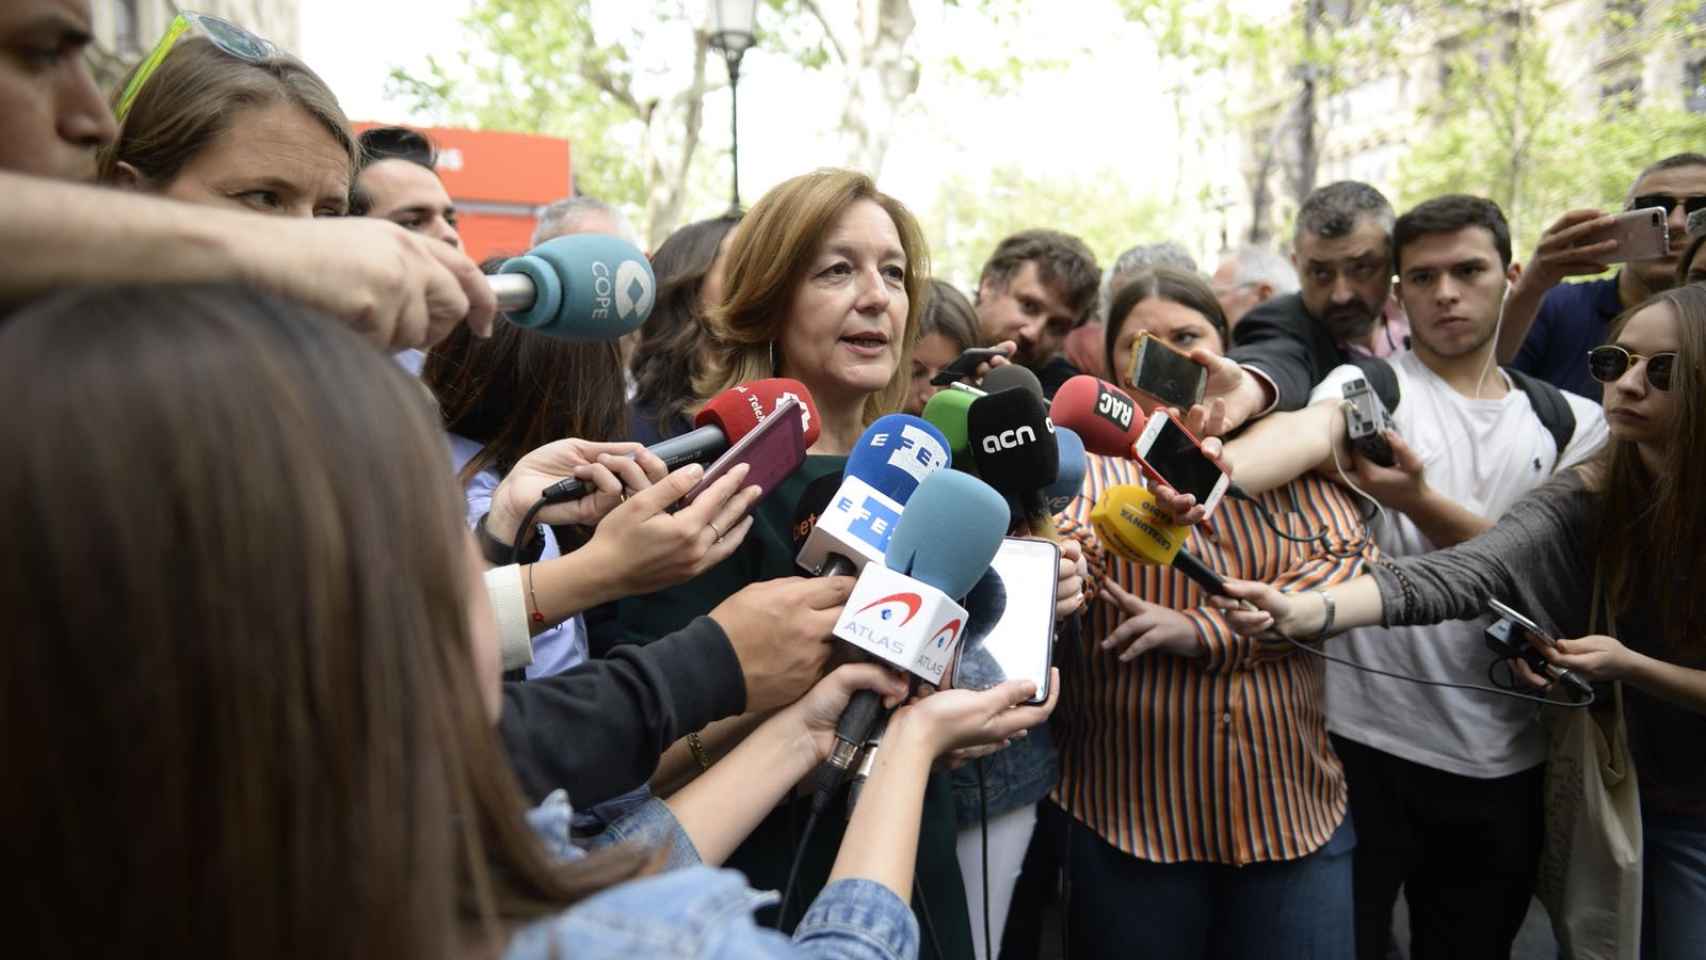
{"x": 395, "y": 288}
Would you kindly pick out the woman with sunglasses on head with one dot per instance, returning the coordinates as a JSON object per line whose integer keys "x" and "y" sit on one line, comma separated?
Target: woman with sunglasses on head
{"x": 218, "y": 116}
{"x": 1622, "y": 532}
{"x": 299, "y": 759}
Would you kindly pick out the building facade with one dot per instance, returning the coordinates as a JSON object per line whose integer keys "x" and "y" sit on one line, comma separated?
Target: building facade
{"x": 125, "y": 30}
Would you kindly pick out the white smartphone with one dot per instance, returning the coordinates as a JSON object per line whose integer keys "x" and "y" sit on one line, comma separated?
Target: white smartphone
{"x": 1641, "y": 235}
{"x": 1010, "y": 619}
{"x": 1169, "y": 454}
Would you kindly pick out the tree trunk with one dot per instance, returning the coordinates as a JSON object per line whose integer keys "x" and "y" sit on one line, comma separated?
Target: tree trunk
{"x": 881, "y": 76}
{"x": 667, "y": 163}
{"x": 1308, "y": 147}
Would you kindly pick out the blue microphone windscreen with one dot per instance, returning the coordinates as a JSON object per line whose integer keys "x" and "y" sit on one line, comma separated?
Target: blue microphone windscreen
{"x": 896, "y": 453}
{"x": 1072, "y": 466}
{"x": 949, "y": 532}
{"x": 588, "y": 286}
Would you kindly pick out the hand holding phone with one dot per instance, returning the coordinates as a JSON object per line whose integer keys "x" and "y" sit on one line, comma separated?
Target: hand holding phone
{"x": 1168, "y": 454}
{"x": 1010, "y": 619}
{"x": 1508, "y": 636}
{"x": 1166, "y": 376}
{"x": 771, "y": 450}
{"x": 965, "y": 365}
{"x": 1641, "y": 235}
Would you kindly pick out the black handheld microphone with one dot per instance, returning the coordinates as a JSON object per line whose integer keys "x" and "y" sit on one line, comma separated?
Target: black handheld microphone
{"x": 1012, "y": 443}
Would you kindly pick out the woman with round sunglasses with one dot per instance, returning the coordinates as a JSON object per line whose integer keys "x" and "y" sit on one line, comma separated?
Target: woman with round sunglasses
{"x": 1622, "y": 533}
{"x": 215, "y": 115}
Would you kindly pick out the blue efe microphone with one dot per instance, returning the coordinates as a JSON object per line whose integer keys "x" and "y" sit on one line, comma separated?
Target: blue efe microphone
{"x": 1070, "y": 482}
{"x": 584, "y": 286}
{"x": 891, "y": 458}
{"x": 946, "y": 539}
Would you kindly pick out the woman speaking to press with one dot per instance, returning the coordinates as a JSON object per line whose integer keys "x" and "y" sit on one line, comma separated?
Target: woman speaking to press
{"x": 1625, "y": 528}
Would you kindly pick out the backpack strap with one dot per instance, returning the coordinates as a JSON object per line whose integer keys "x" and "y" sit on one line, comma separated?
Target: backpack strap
{"x": 1550, "y": 406}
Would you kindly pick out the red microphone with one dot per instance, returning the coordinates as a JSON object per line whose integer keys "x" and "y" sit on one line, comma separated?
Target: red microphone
{"x": 1105, "y": 417}
{"x": 728, "y": 416}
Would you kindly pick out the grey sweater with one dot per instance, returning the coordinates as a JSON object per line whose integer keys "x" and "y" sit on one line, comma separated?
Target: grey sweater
{"x": 1538, "y": 559}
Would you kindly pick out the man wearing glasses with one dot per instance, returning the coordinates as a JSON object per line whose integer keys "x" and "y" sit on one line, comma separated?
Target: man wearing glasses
{"x": 1342, "y": 312}
{"x": 1550, "y": 325}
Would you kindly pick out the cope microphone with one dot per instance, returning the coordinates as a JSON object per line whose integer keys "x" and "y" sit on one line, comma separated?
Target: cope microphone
{"x": 1012, "y": 443}
{"x": 1105, "y": 417}
{"x": 729, "y": 416}
{"x": 891, "y": 458}
{"x": 584, "y": 286}
{"x": 903, "y": 612}
{"x": 1129, "y": 521}
{"x": 1072, "y": 467}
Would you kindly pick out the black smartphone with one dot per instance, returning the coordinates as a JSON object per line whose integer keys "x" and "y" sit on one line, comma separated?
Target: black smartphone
{"x": 1164, "y": 374}
{"x": 965, "y": 365}
{"x": 1010, "y": 619}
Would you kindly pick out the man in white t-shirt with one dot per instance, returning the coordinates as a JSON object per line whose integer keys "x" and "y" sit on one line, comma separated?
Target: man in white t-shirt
{"x": 1445, "y": 785}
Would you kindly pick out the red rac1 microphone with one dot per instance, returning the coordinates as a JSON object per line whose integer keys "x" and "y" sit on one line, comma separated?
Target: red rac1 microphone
{"x": 729, "y": 416}
{"x": 1105, "y": 417}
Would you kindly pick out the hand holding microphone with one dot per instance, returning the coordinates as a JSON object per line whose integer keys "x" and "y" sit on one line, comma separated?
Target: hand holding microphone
{"x": 644, "y": 547}
{"x": 725, "y": 419}
{"x": 612, "y": 470}
{"x": 780, "y": 630}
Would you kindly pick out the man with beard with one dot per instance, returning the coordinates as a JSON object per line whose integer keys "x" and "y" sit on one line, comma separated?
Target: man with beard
{"x": 1340, "y": 314}
{"x": 1445, "y": 785}
{"x": 1035, "y": 288}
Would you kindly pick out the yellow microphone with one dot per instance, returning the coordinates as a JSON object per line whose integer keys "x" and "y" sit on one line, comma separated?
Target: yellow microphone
{"x": 1130, "y": 523}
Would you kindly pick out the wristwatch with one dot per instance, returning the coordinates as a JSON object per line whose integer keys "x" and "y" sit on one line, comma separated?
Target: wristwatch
{"x": 498, "y": 553}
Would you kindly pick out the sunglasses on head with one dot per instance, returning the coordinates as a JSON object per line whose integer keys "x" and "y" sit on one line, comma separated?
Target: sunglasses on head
{"x": 1668, "y": 202}
{"x": 1609, "y": 363}
{"x": 228, "y": 37}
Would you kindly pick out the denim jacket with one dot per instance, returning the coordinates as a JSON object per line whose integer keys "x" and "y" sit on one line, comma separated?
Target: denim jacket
{"x": 694, "y": 911}
{"x": 1019, "y": 776}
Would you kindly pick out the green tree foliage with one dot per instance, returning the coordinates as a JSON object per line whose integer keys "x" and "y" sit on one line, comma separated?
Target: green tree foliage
{"x": 1508, "y": 127}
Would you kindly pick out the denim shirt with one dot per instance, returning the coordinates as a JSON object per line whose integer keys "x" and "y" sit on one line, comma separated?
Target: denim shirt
{"x": 694, "y": 911}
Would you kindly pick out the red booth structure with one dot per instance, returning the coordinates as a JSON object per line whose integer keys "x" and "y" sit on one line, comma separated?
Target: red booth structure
{"x": 497, "y": 180}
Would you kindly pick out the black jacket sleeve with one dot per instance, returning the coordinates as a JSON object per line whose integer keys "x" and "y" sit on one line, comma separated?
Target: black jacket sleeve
{"x": 1280, "y": 339}
{"x": 1277, "y": 338}
{"x": 598, "y": 729}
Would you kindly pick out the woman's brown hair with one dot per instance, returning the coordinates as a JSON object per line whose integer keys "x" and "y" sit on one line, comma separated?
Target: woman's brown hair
{"x": 672, "y": 340}
{"x": 767, "y": 261}
{"x": 1651, "y": 527}
{"x": 192, "y": 96}
{"x": 520, "y": 389}
{"x": 239, "y": 710}
{"x": 1161, "y": 283}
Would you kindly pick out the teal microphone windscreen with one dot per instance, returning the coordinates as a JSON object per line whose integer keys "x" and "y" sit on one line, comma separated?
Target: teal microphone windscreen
{"x": 586, "y": 286}
{"x": 949, "y": 532}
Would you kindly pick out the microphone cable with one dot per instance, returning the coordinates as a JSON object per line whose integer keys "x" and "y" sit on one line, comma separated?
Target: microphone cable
{"x": 794, "y": 869}
{"x": 1496, "y": 690}
{"x": 983, "y": 830}
{"x": 1408, "y": 678}
{"x": 525, "y": 525}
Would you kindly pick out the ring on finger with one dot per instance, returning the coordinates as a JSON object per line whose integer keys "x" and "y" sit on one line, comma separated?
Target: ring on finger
{"x": 714, "y": 530}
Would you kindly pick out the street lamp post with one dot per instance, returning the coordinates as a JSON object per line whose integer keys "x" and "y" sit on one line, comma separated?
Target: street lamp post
{"x": 732, "y": 35}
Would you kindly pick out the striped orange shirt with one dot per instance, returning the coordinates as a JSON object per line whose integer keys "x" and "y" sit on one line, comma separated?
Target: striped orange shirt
{"x": 1222, "y": 758}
